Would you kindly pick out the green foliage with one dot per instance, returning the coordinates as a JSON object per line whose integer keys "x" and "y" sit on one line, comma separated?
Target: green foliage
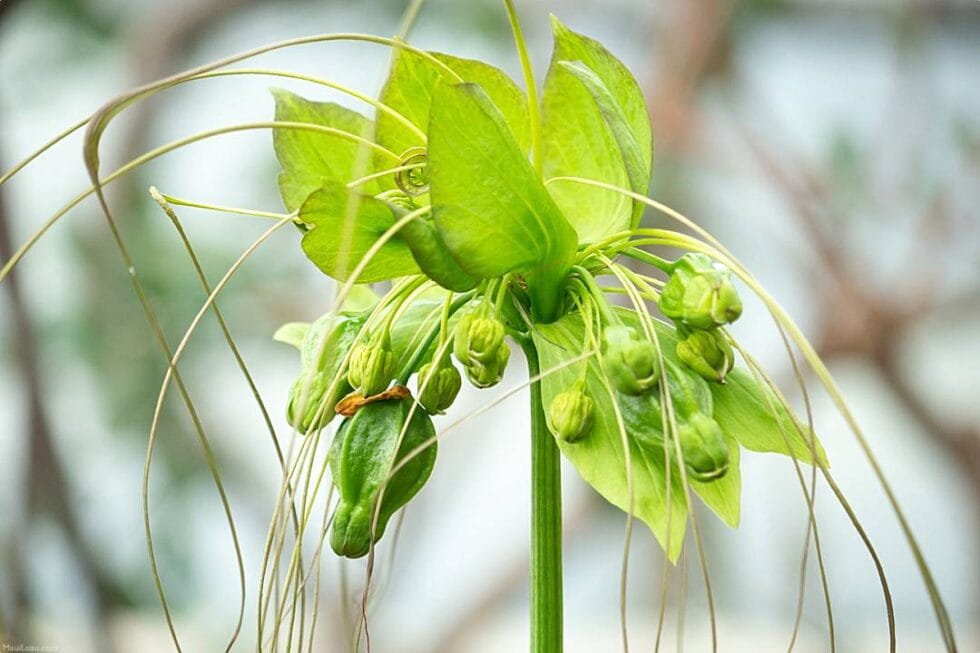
{"x": 714, "y": 419}
{"x": 596, "y": 126}
{"x": 495, "y": 228}
{"x": 434, "y": 258}
{"x": 600, "y": 458}
{"x": 755, "y": 417}
{"x": 309, "y": 159}
{"x": 411, "y": 85}
{"x": 344, "y": 225}
{"x": 411, "y": 327}
{"x": 490, "y": 207}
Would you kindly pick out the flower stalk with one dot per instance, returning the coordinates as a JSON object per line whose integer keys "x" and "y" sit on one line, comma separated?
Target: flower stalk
{"x": 546, "y": 543}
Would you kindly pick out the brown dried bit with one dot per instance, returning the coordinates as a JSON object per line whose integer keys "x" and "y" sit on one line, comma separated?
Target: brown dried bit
{"x": 353, "y": 402}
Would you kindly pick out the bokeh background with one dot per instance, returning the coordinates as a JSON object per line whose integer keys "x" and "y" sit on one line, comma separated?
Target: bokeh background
{"x": 834, "y": 145}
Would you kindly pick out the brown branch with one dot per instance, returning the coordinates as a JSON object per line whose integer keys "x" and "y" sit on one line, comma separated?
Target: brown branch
{"x": 47, "y": 491}
{"x": 963, "y": 441}
{"x": 692, "y": 37}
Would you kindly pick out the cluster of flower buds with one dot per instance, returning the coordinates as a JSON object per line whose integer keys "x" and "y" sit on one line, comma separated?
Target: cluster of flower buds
{"x": 479, "y": 345}
{"x": 700, "y": 297}
{"x": 439, "y": 383}
{"x": 630, "y": 360}
{"x": 372, "y": 366}
{"x": 570, "y": 414}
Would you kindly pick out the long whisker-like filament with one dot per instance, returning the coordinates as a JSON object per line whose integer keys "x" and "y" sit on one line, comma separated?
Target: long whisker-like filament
{"x": 169, "y": 147}
{"x": 5, "y": 177}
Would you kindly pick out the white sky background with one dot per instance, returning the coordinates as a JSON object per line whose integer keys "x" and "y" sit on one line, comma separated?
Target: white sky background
{"x": 469, "y": 525}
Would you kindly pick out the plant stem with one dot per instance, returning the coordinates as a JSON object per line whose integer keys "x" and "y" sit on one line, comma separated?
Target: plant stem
{"x": 546, "y": 567}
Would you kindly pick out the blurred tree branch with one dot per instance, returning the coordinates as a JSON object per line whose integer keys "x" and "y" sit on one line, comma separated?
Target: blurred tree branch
{"x": 47, "y": 491}
{"x": 160, "y": 40}
{"x": 858, "y": 320}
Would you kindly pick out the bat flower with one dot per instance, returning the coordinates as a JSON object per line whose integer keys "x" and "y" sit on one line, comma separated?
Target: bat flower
{"x": 495, "y": 213}
{"x": 492, "y": 218}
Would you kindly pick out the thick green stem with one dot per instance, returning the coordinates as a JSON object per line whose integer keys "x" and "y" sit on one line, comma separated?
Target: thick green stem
{"x": 546, "y": 569}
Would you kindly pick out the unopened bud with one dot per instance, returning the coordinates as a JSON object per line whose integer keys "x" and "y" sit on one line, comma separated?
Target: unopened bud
{"x": 708, "y": 353}
{"x": 307, "y": 409}
{"x": 700, "y": 294}
{"x": 438, "y": 386}
{"x": 706, "y": 453}
{"x": 484, "y": 375}
{"x": 570, "y": 414}
{"x": 371, "y": 368}
{"x": 631, "y": 362}
{"x": 478, "y": 337}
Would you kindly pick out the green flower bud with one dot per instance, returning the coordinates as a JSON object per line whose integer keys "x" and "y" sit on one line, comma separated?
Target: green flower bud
{"x": 363, "y": 452}
{"x": 631, "y": 362}
{"x": 700, "y": 294}
{"x": 308, "y": 407}
{"x": 484, "y": 375}
{"x": 322, "y": 351}
{"x": 570, "y": 414}
{"x": 478, "y": 337}
{"x": 438, "y": 386}
{"x": 705, "y": 450}
{"x": 708, "y": 353}
{"x": 371, "y": 368}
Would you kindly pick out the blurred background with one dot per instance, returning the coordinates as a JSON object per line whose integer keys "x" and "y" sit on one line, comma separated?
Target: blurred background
{"x": 834, "y": 145}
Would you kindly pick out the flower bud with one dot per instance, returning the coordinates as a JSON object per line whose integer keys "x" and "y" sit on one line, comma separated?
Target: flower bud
{"x": 371, "y": 368}
{"x": 324, "y": 347}
{"x": 631, "y": 362}
{"x": 365, "y": 450}
{"x": 438, "y": 386}
{"x": 308, "y": 408}
{"x": 478, "y": 337}
{"x": 708, "y": 353}
{"x": 570, "y": 414}
{"x": 700, "y": 294}
{"x": 705, "y": 450}
{"x": 484, "y": 375}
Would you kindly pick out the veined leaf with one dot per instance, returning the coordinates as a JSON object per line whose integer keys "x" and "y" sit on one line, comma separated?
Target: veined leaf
{"x": 345, "y": 224}
{"x": 600, "y": 457}
{"x": 743, "y": 411}
{"x": 635, "y": 156}
{"x": 308, "y": 158}
{"x": 434, "y": 258}
{"x": 412, "y": 82}
{"x": 491, "y": 209}
{"x": 593, "y": 112}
